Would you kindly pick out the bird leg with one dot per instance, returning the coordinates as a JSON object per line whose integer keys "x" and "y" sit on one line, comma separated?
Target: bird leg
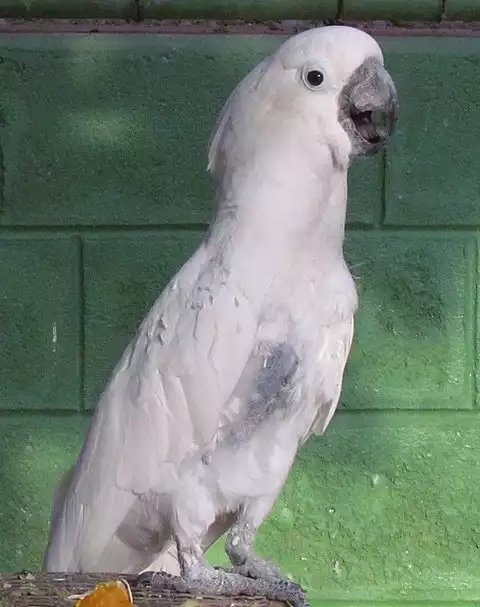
{"x": 239, "y": 547}
{"x": 200, "y": 579}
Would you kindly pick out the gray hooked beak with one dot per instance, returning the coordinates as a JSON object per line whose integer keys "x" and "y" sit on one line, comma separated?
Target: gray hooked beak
{"x": 368, "y": 107}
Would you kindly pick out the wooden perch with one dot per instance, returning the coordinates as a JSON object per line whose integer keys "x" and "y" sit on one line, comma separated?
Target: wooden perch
{"x": 62, "y": 590}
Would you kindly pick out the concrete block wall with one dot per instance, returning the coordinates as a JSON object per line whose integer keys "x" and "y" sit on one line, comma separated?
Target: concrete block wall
{"x": 136, "y": 10}
{"x": 103, "y": 194}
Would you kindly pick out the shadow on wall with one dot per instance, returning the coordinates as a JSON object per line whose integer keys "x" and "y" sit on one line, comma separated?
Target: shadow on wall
{"x": 111, "y": 132}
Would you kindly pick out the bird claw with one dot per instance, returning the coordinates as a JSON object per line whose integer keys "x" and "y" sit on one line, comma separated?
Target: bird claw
{"x": 289, "y": 592}
{"x": 257, "y": 569}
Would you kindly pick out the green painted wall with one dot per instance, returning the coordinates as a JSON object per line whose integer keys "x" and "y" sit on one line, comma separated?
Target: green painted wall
{"x": 275, "y": 10}
{"x": 103, "y": 194}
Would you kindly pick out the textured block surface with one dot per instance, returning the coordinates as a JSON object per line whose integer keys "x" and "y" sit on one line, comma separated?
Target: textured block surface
{"x": 462, "y": 10}
{"x": 413, "y": 343}
{"x": 365, "y": 190}
{"x": 392, "y": 10}
{"x": 240, "y": 9}
{"x": 477, "y": 336}
{"x": 29, "y": 9}
{"x": 272, "y": 10}
{"x": 39, "y": 320}
{"x": 433, "y": 170}
{"x": 35, "y": 451}
{"x": 123, "y": 278}
{"x": 117, "y": 127}
{"x": 383, "y": 507}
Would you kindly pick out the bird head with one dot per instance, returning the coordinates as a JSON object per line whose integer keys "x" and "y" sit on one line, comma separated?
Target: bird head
{"x": 326, "y": 88}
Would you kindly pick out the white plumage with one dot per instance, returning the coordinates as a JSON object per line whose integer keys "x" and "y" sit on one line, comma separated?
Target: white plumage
{"x": 242, "y": 356}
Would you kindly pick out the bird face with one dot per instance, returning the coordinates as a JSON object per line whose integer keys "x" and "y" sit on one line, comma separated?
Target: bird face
{"x": 326, "y": 87}
{"x": 340, "y": 71}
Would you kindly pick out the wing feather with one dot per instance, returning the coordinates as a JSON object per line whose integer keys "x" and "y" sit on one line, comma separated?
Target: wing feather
{"x": 333, "y": 359}
{"x": 165, "y": 399}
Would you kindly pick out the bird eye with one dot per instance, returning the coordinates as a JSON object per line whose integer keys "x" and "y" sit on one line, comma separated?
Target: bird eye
{"x": 313, "y": 78}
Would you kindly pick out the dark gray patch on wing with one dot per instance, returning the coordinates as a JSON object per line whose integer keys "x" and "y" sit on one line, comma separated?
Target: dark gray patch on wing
{"x": 278, "y": 367}
{"x": 273, "y": 372}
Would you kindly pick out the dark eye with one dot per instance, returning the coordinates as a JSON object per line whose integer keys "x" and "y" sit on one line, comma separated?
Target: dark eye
{"x": 314, "y": 78}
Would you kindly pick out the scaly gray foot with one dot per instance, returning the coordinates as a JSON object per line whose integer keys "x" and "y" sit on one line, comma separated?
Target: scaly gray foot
{"x": 215, "y": 582}
{"x": 257, "y": 568}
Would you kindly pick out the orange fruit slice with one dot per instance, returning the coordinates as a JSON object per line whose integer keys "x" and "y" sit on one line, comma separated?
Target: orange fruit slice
{"x": 108, "y": 594}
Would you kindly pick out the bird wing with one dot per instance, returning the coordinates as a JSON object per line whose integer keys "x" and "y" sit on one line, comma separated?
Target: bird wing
{"x": 165, "y": 400}
{"x": 332, "y": 360}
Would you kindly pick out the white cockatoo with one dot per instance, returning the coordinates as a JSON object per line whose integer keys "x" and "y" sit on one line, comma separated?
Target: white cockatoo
{"x": 242, "y": 356}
